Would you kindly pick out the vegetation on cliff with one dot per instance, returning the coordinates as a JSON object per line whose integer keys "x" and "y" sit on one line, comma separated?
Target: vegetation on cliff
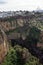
{"x": 30, "y": 29}
{"x": 20, "y": 56}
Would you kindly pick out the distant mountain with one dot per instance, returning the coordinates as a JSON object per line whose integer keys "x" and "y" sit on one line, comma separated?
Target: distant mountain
{"x": 38, "y": 10}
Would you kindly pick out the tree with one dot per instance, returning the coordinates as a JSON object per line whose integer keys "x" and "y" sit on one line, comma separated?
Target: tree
{"x": 20, "y": 56}
{"x": 11, "y": 58}
{"x": 34, "y": 35}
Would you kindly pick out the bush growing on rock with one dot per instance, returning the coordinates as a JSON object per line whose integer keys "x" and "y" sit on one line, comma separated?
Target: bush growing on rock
{"x": 20, "y": 56}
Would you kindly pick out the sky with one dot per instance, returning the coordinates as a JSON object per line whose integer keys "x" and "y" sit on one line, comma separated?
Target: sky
{"x": 16, "y": 5}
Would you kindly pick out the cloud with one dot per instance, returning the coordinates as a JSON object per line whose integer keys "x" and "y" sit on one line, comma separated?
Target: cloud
{"x": 7, "y": 5}
{"x": 2, "y": 2}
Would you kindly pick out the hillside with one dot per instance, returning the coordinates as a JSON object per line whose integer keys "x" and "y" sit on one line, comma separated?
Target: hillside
{"x": 25, "y": 29}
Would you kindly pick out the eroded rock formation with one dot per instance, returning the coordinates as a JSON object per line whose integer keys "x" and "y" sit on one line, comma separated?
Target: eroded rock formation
{"x": 3, "y": 45}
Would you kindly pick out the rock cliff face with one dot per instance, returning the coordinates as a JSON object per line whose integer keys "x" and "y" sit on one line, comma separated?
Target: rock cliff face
{"x": 19, "y": 26}
{"x": 10, "y": 25}
{"x": 3, "y": 45}
{"x": 16, "y": 27}
{"x": 20, "y": 21}
{"x": 16, "y": 24}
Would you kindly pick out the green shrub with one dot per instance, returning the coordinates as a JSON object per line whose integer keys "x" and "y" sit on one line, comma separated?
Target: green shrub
{"x": 20, "y": 56}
